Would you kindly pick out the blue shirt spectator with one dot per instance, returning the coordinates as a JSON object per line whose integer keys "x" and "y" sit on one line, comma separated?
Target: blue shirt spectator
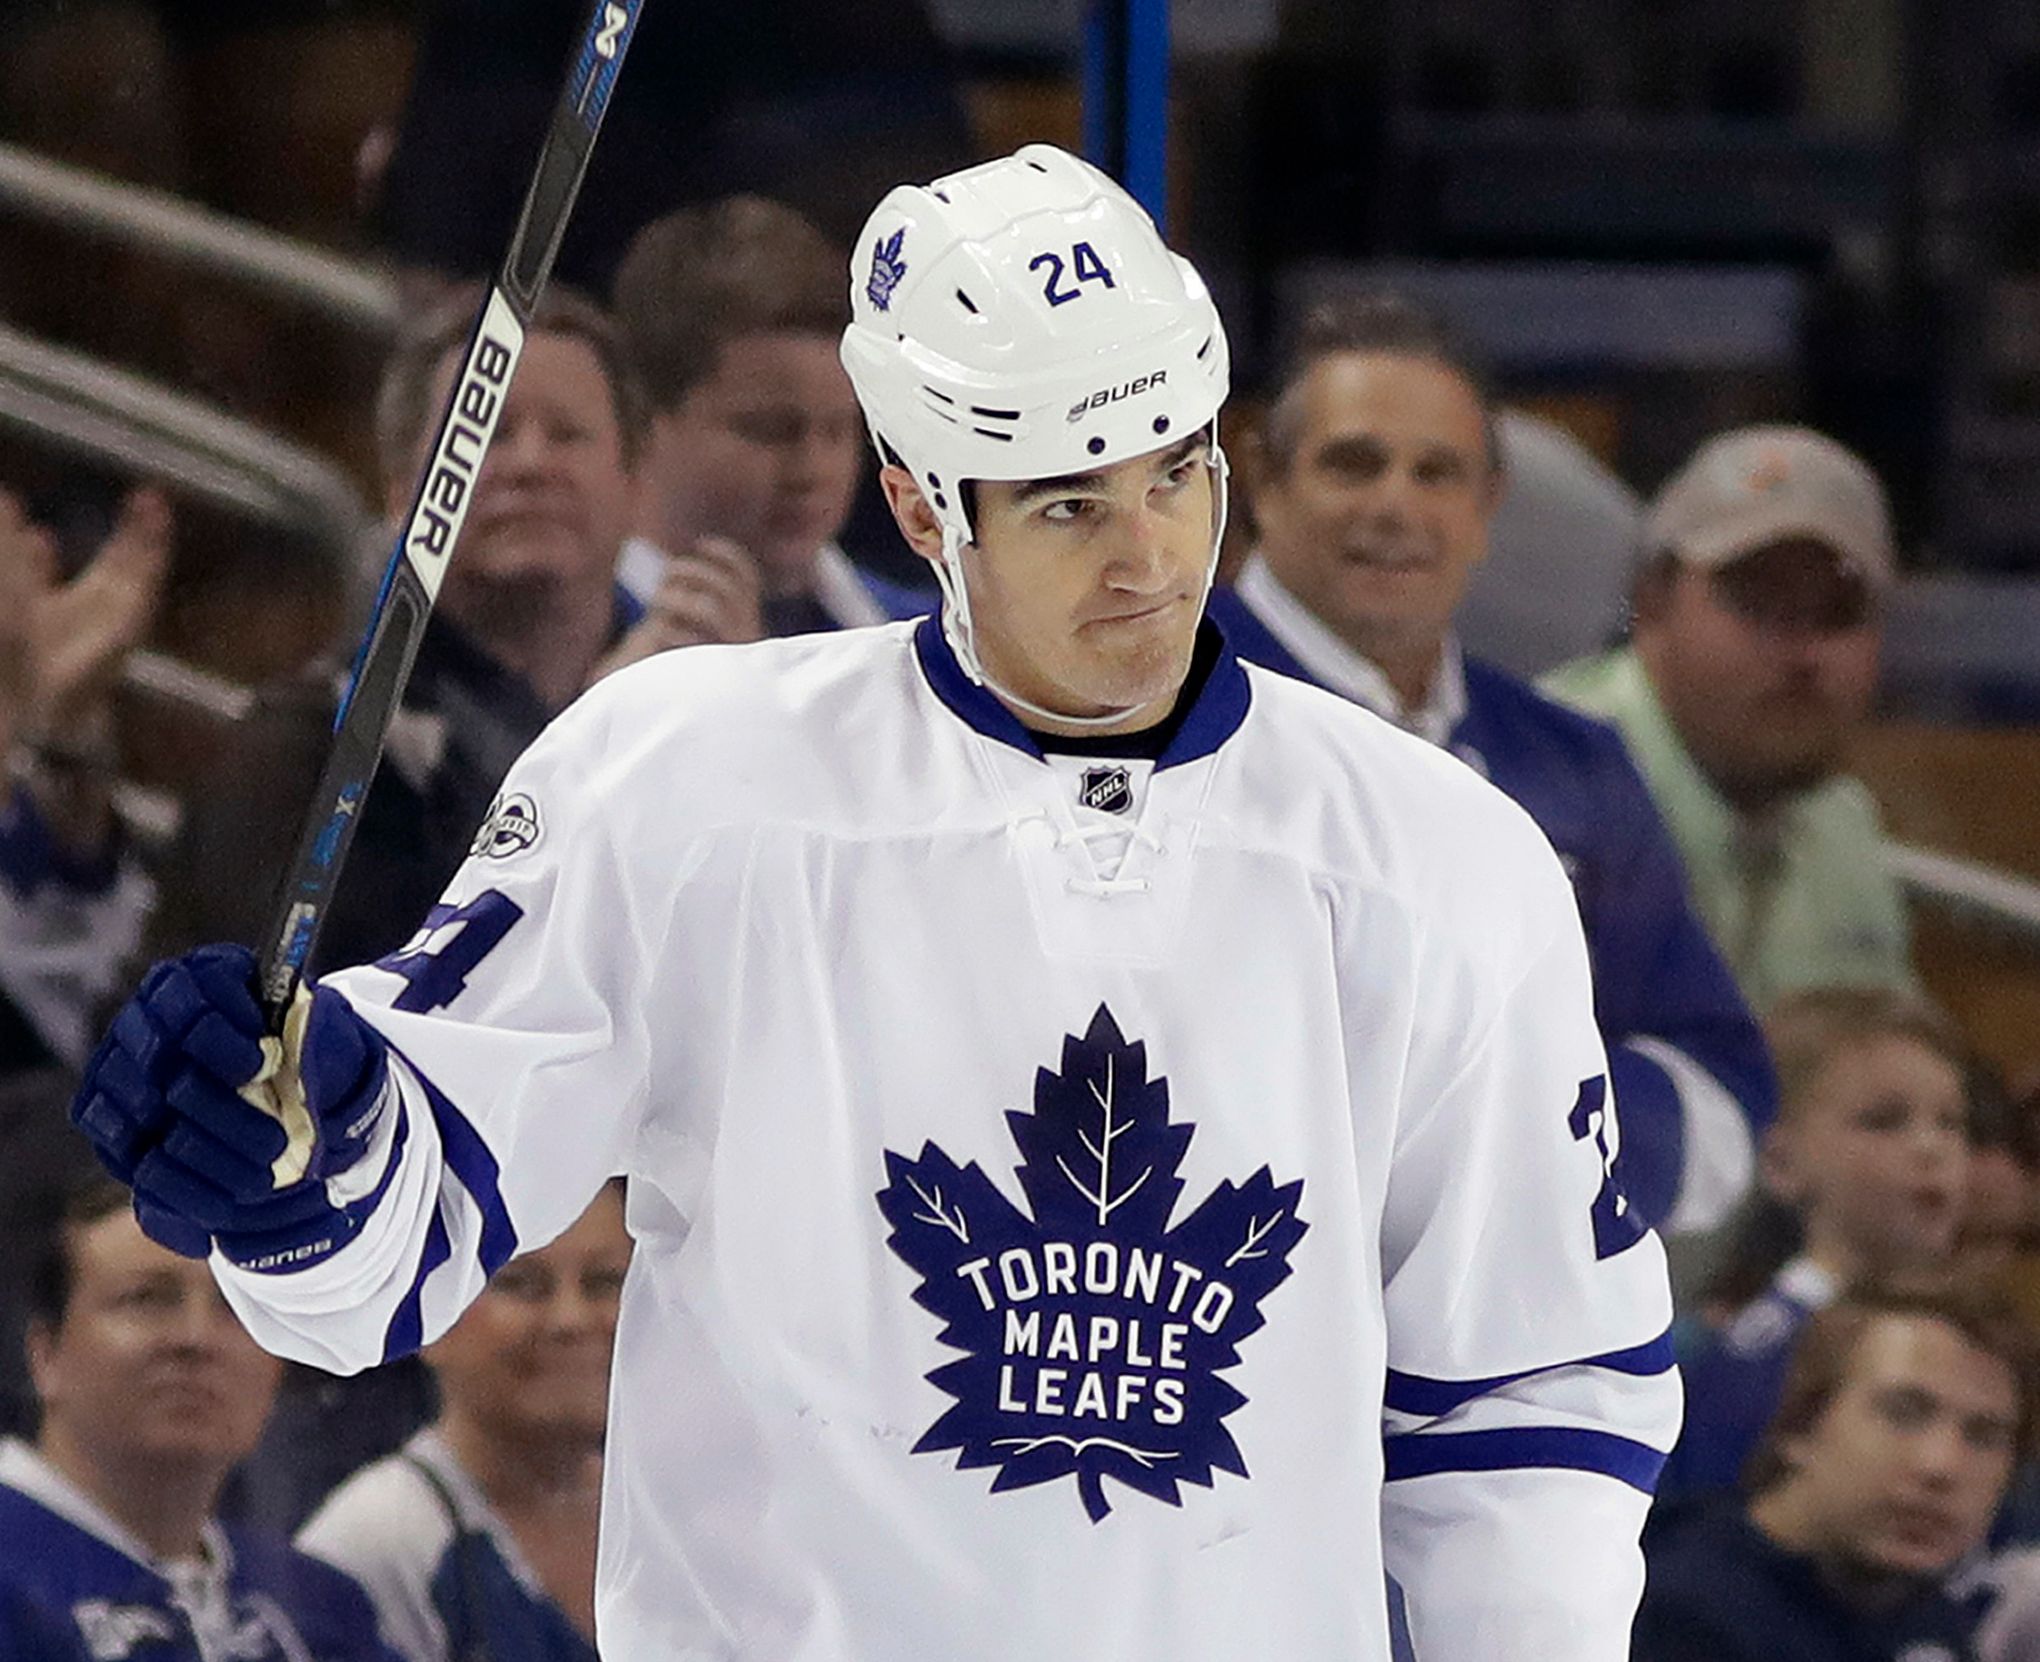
{"x": 69, "y": 1572}
{"x": 1903, "y": 1416}
{"x": 1374, "y": 485}
{"x": 1720, "y": 1590}
{"x": 149, "y": 1392}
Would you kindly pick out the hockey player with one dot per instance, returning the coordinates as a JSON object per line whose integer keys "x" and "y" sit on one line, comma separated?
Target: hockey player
{"x": 1118, "y": 1147}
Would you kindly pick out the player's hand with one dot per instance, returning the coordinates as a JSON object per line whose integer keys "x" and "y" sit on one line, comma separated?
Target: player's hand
{"x": 711, "y": 594}
{"x": 224, "y": 1133}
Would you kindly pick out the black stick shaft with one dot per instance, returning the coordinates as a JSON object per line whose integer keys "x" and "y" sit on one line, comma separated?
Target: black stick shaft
{"x": 439, "y": 505}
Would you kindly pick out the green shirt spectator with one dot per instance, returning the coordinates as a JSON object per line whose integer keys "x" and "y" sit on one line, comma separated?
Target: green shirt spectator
{"x": 1757, "y": 622}
{"x": 1797, "y": 898}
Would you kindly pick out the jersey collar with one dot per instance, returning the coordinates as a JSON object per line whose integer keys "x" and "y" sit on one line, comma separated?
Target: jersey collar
{"x": 1220, "y": 708}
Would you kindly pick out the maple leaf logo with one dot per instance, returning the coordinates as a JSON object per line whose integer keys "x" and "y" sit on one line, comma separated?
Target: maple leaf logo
{"x": 887, "y": 268}
{"x": 1093, "y": 1333}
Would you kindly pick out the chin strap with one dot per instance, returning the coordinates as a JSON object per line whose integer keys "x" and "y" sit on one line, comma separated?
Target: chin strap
{"x": 962, "y": 637}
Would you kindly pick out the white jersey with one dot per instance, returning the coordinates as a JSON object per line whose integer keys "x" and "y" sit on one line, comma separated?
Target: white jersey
{"x": 1081, "y": 1211}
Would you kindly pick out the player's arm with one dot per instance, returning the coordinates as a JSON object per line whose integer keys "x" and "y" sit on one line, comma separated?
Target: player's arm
{"x": 1530, "y": 1397}
{"x": 1687, "y": 1058}
{"x": 358, "y": 1181}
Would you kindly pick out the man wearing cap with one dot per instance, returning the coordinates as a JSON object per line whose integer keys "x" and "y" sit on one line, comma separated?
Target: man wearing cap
{"x": 1753, "y": 657}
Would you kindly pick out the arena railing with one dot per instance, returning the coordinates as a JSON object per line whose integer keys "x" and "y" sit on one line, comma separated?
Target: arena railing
{"x": 121, "y": 421}
{"x": 91, "y": 204}
{"x": 1969, "y": 892}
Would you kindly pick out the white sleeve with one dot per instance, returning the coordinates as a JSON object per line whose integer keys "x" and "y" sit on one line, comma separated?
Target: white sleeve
{"x": 519, "y": 1056}
{"x": 1531, "y": 1396}
{"x": 388, "y": 1531}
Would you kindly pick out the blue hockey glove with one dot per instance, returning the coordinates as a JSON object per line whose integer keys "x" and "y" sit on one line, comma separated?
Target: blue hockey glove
{"x": 226, "y": 1134}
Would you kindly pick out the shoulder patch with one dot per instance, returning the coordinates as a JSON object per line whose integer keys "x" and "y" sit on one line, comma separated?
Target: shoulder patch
{"x": 510, "y": 827}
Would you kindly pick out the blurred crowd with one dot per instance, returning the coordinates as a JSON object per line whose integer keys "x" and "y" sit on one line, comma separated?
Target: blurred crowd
{"x": 1849, "y": 1187}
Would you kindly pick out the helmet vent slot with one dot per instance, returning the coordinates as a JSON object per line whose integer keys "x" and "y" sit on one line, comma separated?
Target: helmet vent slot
{"x": 986, "y": 432}
{"x": 965, "y": 301}
{"x": 1204, "y": 351}
{"x": 994, "y": 415}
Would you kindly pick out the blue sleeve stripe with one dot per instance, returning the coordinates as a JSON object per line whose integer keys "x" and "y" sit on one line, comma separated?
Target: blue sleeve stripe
{"x": 1413, "y": 1393}
{"x": 475, "y": 1168}
{"x": 470, "y": 1161}
{"x": 1524, "y": 1448}
{"x": 406, "y": 1331}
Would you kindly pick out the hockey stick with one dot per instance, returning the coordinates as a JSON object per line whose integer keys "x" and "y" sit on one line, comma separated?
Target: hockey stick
{"x": 439, "y": 506}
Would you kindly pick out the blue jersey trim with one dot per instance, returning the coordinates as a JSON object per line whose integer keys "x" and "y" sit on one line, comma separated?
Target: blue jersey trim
{"x": 965, "y": 698}
{"x": 475, "y": 1168}
{"x": 406, "y": 1331}
{"x": 472, "y": 1163}
{"x": 1523, "y": 1448}
{"x": 1220, "y": 708}
{"x": 1412, "y": 1393}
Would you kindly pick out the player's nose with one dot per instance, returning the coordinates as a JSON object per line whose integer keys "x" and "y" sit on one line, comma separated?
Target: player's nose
{"x": 1144, "y": 556}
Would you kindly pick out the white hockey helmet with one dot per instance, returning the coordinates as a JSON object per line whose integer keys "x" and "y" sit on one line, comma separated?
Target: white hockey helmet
{"x": 1022, "y": 319}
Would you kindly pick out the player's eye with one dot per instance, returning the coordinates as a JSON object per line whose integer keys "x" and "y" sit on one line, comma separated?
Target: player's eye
{"x": 1066, "y": 510}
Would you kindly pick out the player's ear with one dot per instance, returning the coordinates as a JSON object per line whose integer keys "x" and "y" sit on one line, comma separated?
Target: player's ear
{"x": 39, "y": 1345}
{"x": 911, "y": 511}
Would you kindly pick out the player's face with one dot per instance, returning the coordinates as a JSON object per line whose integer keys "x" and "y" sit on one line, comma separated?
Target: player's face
{"x": 553, "y": 503}
{"x": 530, "y": 1359}
{"x": 148, "y": 1370}
{"x": 1378, "y": 513}
{"x": 1876, "y": 1154}
{"x": 1903, "y": 1471}
{"x": 1085, "y": 591}
{"x": 765, "y": 451}
{"x": 1766, "y": 666}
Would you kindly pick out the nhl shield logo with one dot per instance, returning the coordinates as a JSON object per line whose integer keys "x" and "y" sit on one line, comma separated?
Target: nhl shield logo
{"x": 1108, "y": 789}
{"x": 887, "y": 268}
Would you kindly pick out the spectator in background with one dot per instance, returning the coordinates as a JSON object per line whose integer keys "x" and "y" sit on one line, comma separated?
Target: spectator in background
{"x": 1757, "y": 621}
{"x": 1372, "y": 490}
{"x": 72, "y": 900}
{"x": 150, "y": 1391}
{"x": 1561, "y": 551}
{"x": 478, "y": 1539}
{"x": 528, "y": 610}
{"x": 527, "y": 613}
{"x": 1863, "y": 1178}
{"x": 733, "y": 316}
{"x": 1893, "y": 1443}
